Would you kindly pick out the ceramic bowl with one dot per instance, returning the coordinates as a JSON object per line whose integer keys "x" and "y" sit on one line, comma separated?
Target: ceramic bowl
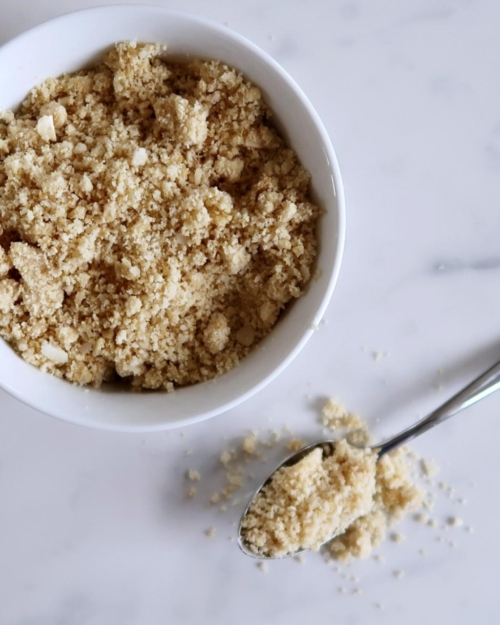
{"x": 78, "y": 39}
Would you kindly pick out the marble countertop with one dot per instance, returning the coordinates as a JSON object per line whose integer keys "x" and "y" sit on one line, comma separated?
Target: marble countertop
{"x": 95, "y": 527}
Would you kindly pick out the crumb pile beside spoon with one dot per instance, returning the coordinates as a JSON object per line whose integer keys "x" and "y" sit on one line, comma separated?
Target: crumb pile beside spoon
{"x": 480, "y": 388}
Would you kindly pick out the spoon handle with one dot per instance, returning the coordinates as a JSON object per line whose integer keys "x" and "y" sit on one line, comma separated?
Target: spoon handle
{"x": 481, "y": 387}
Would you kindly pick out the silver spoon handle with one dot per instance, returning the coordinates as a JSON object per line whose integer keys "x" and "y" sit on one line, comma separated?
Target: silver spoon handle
{"x": 481, "y": 387}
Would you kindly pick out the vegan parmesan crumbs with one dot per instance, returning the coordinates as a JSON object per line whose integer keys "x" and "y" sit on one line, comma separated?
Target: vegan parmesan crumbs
{"x": 402, "y": 488}
{"x": 348, "y": 493}
{"x": 307, "y": 503}
{"x": 153, "y": 223}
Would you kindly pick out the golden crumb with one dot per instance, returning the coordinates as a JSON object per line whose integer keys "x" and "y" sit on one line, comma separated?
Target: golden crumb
{"x": 263, "y": 566}
{"x": 295, "y": 444}
{"x": 194, "y": 475}
{"x": 153, "y": 223}
{"x": 454, "y": 521}
{"x": 210, "y": 532}
{"x": 192, "y": 492}
{"x": 250, "y": 444}
{"x": 226, "y": 457}
{"x": 429, "y": 467}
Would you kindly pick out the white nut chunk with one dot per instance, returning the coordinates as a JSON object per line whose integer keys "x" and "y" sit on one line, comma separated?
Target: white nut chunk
{"x": 54, "y": 353}
{"x": 45, "y": 128}
{"x": 58, "y": 112}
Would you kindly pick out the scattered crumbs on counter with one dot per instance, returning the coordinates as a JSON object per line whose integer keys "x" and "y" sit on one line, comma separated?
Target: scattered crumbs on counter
{"x": 397, "y": 538}
{"x": 342, "y": 590}
{"x": 194, "y": 475}
{"x": 422, "y": 552}
{"x": 210, "y": 532}
{"x": 192, "y": 492}
{"x": 263, "y": 566}
{"x": 399, "y": 574}
{"x": 300, "y": 559}
{"x": 357, "y": 591}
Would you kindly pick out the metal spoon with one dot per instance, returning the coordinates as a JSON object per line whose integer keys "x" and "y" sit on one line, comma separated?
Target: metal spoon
{"x": 481, "y": 387}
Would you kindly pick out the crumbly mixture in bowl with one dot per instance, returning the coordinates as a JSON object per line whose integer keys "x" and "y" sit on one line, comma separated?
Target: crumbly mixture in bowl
{"x": 153, "y": 223}
{"x": 309, "y": 502}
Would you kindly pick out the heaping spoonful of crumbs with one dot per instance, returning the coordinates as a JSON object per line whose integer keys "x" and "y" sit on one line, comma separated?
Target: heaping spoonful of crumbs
{"x": 316, "y": 493}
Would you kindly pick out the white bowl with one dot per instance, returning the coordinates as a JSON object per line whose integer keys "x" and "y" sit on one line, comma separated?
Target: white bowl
{"x": 74, "y": 40}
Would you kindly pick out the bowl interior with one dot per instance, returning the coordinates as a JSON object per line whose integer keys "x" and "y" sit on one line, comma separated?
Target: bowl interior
{"x": 81, "y": 39}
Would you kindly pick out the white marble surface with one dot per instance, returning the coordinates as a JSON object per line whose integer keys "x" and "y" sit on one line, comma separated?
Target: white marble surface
{"x": 95, "y": 528}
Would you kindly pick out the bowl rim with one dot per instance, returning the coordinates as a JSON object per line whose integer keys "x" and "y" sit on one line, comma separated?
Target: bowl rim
{"x": 334, "y": 270}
